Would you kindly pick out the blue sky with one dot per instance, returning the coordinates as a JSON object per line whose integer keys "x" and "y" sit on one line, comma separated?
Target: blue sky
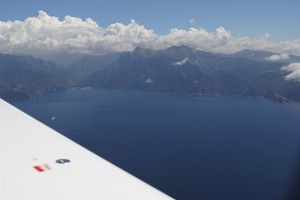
{"x": 224, "y": 26}
{"x": 250, "y": 18}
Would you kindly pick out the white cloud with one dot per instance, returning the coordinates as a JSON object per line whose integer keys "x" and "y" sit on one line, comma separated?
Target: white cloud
{"x": 267, "y": 35}
{"x": 192, "y": 21}
{"x": 278, "y": 57}
{"x": 181, "y": 62}
{"x": 294, "y": 68}
{"x": 149, "y": 80}
{"x": 47, "y": 34}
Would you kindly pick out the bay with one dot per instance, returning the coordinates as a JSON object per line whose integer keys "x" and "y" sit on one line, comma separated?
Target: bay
{"x": 210, "y": 147}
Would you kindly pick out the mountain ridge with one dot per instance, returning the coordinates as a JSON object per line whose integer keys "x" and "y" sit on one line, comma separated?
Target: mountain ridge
{"x": 177, "y": 69}
{"x": 23, "y": 77}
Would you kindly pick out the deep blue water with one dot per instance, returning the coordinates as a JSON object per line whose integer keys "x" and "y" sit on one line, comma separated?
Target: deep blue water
{"x": 213, "y": 147}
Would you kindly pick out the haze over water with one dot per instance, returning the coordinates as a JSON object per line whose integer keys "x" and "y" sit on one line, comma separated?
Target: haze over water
{"x": 211, "y": 147}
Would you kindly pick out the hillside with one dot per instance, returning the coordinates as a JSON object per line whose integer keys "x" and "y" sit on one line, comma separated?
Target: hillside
{"x": 178, "y": 69}
{"x": 23, "y": 77}
{"x": 184, "y": 70}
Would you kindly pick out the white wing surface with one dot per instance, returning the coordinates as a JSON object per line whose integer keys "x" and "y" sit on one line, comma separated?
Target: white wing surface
{"x": 39, "y": 163}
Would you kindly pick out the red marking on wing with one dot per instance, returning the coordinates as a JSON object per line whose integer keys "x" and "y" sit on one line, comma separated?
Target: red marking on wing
{"x": 42, "y": 168}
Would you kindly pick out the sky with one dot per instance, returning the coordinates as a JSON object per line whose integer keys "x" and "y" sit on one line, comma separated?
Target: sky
{"x": 120, "y": 25}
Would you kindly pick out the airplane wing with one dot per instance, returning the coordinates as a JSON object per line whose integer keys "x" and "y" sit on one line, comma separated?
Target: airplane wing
{"x": 39, "y": 163}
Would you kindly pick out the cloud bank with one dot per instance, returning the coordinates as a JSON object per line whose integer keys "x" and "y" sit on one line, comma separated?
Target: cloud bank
{"x": 49, "y": 34}
{"x": 294, "y": 68}
{"x": 278, "y": 57}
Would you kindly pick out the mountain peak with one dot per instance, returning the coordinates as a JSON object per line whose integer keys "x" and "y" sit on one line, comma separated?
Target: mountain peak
{"x": 180, "y": 48}
{"x": 253, "y": 51}
{"x": 180, "y": 52}
{"x": 143, "y": 52}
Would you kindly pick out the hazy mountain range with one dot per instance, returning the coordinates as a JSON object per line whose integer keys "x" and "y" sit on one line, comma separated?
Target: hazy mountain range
{"x": 178, "y": 69}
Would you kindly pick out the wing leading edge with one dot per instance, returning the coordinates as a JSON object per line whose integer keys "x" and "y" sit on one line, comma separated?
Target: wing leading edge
{"x": 39, "y": 163}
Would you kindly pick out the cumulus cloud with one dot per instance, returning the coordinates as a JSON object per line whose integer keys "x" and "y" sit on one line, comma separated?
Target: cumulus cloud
{"x": 294, "y": 68}
{"x": 44, "y": 34}
{"x": 181, "y": 62}
{"x": 278, "y": 57}
{"x": 48, "y": 34}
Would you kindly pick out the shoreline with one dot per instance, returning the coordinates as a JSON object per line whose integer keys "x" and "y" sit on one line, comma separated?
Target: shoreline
{"x": 274, "y": 98}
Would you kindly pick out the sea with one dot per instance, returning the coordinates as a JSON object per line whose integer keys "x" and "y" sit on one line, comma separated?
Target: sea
{"x": 189, "y": 147}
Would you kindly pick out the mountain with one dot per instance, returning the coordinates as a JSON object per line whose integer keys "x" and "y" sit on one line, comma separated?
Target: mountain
{"x": 177, "y": 69}
{"x": 264, "y": 56}
{"x": 62, "y": 59}
{"x": 89, "y": 64}
{"x": 180, "y": 69}
{"x": 24, "y": 77}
